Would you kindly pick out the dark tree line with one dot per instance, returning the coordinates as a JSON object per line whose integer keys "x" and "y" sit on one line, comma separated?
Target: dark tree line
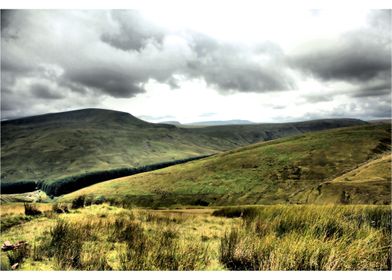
{"x": 76, "y": 182}
{"x": 18, "y": 187}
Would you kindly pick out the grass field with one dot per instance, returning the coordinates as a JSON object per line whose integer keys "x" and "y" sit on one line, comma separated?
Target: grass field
{"x": 299, "y": 169}
{"x": 277, "y": 237}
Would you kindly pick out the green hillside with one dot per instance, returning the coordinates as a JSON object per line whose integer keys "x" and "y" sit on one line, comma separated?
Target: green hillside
{"x": 288, "y": 170}
{"x": 52, "y": 146}
{"x": 373, "y": 177}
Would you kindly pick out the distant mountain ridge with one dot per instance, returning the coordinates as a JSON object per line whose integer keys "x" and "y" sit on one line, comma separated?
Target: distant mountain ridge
{"x": 216, "y": 123}
{"x": 52, "y": 146}
{"x": 380, "y": 121}
{"x": 210, "y": 123}
{"x": 172, "y": 122}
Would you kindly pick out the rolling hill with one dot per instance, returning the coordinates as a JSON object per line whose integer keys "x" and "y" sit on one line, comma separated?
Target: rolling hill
{"x": 53, "y": 146}
{"x": 289, "y": 170}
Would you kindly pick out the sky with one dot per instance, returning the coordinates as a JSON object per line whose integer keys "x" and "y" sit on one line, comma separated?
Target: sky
{"x": 261, "y": 65}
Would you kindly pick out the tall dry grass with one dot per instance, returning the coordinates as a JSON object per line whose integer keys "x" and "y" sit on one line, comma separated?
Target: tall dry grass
{"x": 146, "y": 242}
{"x": 280, "y": 237}
{"x": 308, "y": 238}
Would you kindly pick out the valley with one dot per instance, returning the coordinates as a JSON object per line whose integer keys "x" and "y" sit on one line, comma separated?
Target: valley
{"x": 52, "y": 147}
{"x": 294, "y": 170}
{"x": 295, "y": 196}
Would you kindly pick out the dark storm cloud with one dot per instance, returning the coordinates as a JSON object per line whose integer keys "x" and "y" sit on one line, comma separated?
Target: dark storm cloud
{"x": 44, "y": 92}
{"x": 361, "y": 58}
{"x": 233, "y": 68}
{"x": 7, "y": 30}
{"x": 75, "y": 87}
{"x": 383, "y": 89}
{"x": 362, "y": 92}
{"x": 6, "y": 106}
{"x": 14, "y": 63}
{"x": 133, "y": 33}
{"x": 117, "y": 55}
{"x": 357, "y": 56}
{"x": 16, "y": 104}
{"x": 228, "y": 73}
{"x": 5, "y": 19}
{"x": 110, "y": 80}
{"x": 225, "y": 66}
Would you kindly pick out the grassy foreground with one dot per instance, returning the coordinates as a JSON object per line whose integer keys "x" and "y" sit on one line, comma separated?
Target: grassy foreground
{"x": 308, "y": 238}
{"x": 278, "y": 237}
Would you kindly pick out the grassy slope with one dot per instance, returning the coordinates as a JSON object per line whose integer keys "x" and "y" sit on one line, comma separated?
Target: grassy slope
{"x": 372, "y": 177}
{"x": 62, "y": 144}
{"x": 287, "y": 170}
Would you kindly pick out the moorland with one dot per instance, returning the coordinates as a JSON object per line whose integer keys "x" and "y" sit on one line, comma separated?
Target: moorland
{"x": 102, "y": 190}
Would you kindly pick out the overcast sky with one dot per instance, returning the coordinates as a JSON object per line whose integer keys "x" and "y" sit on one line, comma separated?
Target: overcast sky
{"x": 259, "y": 65}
